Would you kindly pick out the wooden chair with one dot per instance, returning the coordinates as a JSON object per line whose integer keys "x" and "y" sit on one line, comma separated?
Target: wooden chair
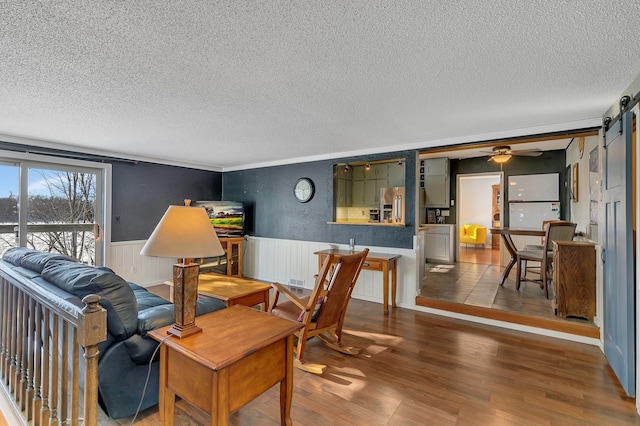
{"x": 322, "y": 313}
{"x": 556, "y": 231}
{"x": 532, "y": 247}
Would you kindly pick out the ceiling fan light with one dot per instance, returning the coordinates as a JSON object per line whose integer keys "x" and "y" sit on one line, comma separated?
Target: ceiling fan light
{"x": 501, "y": 158}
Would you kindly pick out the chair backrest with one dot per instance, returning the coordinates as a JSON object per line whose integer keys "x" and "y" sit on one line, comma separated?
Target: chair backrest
{"x": 468, "y": 229}
{"x": 337, "y": 289}
{"x": 559, "y": 231}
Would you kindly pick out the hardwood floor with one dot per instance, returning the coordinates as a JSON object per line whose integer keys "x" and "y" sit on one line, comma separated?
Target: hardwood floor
{"x": 478, "y": 255}
{"x": 418, "y": 369}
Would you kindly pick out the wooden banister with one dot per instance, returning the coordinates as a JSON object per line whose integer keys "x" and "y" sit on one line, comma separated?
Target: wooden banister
{"x": 41, "y": 336}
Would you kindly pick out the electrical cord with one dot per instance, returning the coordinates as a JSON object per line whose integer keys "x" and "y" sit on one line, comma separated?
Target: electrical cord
{"x": 146, "y": 382}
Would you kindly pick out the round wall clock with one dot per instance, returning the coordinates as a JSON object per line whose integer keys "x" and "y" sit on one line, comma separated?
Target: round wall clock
{"x": 303, "y": 190}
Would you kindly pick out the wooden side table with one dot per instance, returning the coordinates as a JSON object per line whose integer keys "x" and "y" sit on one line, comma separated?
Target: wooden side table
{"x": 239, "y": 354}
{"x": 230, "y": 290}
{"x": 374, "y": 262}
{"x": 234, "y": 291}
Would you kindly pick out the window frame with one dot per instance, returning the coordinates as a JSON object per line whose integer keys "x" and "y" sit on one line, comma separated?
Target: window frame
{"x": 24, "y": 161}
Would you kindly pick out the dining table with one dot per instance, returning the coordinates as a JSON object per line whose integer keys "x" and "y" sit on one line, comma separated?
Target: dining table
{"x": 506, "y": 234}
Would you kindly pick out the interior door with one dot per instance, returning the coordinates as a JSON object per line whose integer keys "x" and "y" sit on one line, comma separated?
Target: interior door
{"x": 619, "y": 295}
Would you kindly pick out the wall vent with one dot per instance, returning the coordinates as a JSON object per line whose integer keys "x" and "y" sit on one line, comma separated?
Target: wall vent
{"x": 296, "y": 283}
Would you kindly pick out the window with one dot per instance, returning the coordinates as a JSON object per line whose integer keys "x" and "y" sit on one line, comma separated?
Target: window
{"x": 54, "y": 207}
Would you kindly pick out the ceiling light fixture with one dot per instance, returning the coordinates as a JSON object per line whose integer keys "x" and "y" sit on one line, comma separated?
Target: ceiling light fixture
{"x": 501, "y": 158}
{"x": 346, "y": 168}
{"x": 399, "y": 163}
{"x": 367, "y": 166}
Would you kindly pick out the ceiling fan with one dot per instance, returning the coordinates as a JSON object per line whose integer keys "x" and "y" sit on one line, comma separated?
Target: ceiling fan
{"x": 502, "y": 154}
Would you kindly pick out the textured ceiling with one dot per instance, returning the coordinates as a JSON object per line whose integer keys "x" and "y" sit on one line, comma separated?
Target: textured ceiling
{"x": 234, "y": 84}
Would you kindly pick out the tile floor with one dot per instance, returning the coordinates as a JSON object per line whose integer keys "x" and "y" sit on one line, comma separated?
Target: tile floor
{"x": 476, "y": 284}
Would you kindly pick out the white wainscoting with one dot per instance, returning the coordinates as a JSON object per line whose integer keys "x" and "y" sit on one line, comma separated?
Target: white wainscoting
{"x": 273, "y": 260}
{"x": 276, "y": 260}
{"x": 127, "y": 262}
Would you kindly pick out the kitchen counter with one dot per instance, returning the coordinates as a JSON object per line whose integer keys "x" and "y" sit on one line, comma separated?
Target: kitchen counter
{"x": 439, "y": 242}
{"x": 357, "y": 222}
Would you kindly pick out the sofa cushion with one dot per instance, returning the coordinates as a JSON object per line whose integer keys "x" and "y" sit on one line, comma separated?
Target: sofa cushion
{"x": 162, "y": 315}
{"x": 117, "y": 297}
{"x": 14, "y": 255}
{"x": 36, "y": 261}
{"x": 146, "y": 299}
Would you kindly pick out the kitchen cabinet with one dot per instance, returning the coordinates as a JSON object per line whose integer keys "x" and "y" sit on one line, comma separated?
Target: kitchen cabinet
{"x": 343, "y": 186}
{"x": 366, "y": 184}
{"x": 436, "y": 182}
{"x": 357, "y": 193}
{"x": 574, "y": 279}
{"x": 356, "y": 185}
{"x": 436, "y": 166}
{"x": 395, "y": 175}
{"x": 439, "y": 243}
{"x": 377, "y": 171}
{"x": 357, "y": 173}
{"x": 372, "y": 192}
{"x": 344, "y": 189}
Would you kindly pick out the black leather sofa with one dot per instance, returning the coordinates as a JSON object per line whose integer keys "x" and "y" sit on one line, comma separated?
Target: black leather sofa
{"x": 131, "y": 312}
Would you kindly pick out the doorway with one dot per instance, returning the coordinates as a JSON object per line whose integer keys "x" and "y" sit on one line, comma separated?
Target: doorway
{"x": 478, "y": 204}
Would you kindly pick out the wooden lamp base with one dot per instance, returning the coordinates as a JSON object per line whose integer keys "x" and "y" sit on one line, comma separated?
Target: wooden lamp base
{"x": 185, "y": 295}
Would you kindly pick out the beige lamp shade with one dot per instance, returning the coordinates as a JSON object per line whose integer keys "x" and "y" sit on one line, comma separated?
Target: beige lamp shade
{"x": 183, "y": 232}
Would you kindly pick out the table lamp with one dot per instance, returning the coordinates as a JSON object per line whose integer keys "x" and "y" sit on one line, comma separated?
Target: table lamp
{"x": 185, "y": 233}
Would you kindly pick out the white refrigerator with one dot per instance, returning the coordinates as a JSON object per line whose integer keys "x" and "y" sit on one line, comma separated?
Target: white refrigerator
{"x": 533, "y": 199}
{"x": 531, "y": 215}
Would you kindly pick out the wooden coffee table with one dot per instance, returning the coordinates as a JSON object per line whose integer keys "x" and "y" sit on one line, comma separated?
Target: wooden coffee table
{"x": 239, "y": 354}
{"x": 232, "y": 290}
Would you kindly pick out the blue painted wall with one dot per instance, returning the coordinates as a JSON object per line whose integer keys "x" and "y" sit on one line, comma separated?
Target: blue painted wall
{"x": 143, "y": 191}
{"x": 273, "y": 212}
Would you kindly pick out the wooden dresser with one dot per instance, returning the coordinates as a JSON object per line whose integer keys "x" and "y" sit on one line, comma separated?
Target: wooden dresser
{"x": 574, "y": 279}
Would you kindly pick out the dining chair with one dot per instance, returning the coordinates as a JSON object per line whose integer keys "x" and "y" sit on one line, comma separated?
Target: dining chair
{"x": 556, "y": 231}
{"x": 322, "y": 313}
{"x": 531, "y": 247}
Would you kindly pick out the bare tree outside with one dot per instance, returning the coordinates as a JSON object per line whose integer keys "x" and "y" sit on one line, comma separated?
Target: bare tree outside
{"x": 8, "y": 221}
{"x": 68, "y": 198}
{"x": 61, "y": 214}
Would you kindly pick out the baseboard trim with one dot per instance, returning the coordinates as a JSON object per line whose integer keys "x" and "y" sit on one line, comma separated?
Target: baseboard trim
{"x": 578, "y": 329}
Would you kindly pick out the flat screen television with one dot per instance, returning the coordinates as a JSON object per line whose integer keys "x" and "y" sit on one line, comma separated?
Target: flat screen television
{"x": 227, "y": 217}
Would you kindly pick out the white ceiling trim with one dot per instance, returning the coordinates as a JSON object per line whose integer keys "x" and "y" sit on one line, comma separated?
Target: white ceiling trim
{"x": 75, "y": 149}
{"x": 530, "y": 131}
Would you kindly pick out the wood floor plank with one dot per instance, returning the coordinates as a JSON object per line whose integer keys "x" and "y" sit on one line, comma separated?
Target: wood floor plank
{"x": 421, "y": 369}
